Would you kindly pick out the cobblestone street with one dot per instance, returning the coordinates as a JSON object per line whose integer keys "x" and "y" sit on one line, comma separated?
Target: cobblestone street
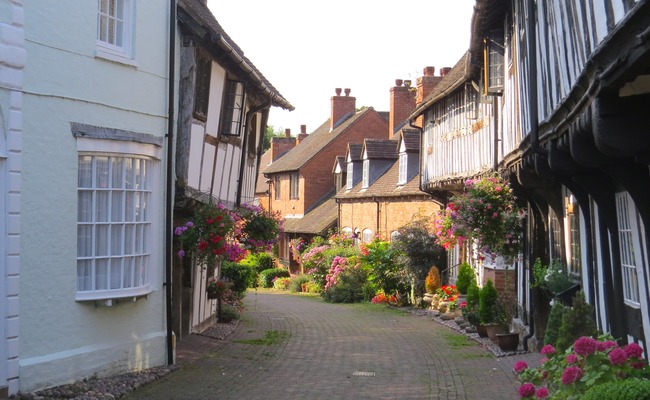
{"x": 295, "y": 347}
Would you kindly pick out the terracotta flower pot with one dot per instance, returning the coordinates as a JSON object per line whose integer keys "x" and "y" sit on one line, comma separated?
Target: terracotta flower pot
{"x": 492, "y": 330}
{"x": 481, "y": 330}
{"x": 508, "y": 341}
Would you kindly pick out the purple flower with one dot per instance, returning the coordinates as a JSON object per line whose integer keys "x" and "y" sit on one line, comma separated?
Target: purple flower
{"x": 520, "y": 366}
{"x": 548, "y": 350}
{"x": 179, "y": 230}
{"x": 585, "y": 346}
{"x": 617, "y": 357}
{"x": 189, "y": 224}
{"x": 571, "y": 374}
{"x": 542, "y": 393}
{"x": 526, "y": 390}
{"x": 633, "y": 350}
{"x": 181, "y": 253}
{"x": 571, "y": 359}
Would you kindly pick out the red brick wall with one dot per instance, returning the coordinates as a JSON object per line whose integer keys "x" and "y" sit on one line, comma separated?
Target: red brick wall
{"x": 402, "y": 104}
{"x": 498, "y": 277}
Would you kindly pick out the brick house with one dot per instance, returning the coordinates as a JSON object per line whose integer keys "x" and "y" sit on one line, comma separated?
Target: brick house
{"x": 301, "y": 180}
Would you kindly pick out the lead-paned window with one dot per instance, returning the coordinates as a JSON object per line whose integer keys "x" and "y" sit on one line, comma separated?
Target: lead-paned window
{"x": 233, "y": 108}
{"x": 202, "y": 85}
{"x": 626, "y": 249}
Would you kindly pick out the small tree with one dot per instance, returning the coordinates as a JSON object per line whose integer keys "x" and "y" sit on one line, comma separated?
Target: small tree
{"x": 465, "y": 277}
{"x": 577, "y": 321}
{"x": 432, "y": 282}
{"x": 487, "y": 302}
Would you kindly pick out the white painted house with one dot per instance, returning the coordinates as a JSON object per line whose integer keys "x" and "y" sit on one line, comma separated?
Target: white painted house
{"x": 83, "y": 118}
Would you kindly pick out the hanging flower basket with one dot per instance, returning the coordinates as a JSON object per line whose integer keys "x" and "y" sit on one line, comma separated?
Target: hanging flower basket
{"x": 217, "y": 288}
{"x": 255, "y": 229}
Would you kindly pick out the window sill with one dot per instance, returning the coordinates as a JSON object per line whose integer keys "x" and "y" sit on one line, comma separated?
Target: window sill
{"x": 119, "y": 58}
{"x": 111, "y": 297}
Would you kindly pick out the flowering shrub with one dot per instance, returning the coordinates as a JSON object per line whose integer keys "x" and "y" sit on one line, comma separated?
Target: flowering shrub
{"x": 281, "y": 283}
{"x": 346, "y": 281}
{"x": 206, "y": 235}
{"x": 380, "y": 259}
{"x": 447, "y": 293}
{"x": 381, "y": 298}
{"x": 486, "y": 211}
{"x": 297, "y": 246}
{"x": 217, "y": 288}
{"x": 587, "y": 363}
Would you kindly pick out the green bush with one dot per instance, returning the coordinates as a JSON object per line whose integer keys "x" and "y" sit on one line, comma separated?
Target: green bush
{"x": 465, "y": 277}
{"x": 473, "y": 297}
{"x": 259, "y": 261}
{"x": 352, "y": 287}
{"x": 626, "y": 389}
{"x": 295, "y": 286}
{"x": 552, "y": 332}
{"x": 577, "y": 321}
{"x": 242, "y": 276}
{"x": 281, "y": 284}
{"x": 228, "y": 314}
{"x": 267, "y": 276}
{"x": 487, "y": 301}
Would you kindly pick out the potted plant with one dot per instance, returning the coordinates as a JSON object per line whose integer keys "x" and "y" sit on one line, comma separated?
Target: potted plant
{"x": 505, "y": 311}
{"x": 487, "y": 307}
{"x": 554, "y": 280}
{"x": 255, "y": 229}
{"x": 216, "y": 288}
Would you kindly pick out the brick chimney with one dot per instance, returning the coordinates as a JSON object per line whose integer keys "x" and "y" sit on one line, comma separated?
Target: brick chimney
{"x": 281, "y": 145}
{"x": 426, "y": 83}
{"x": 402, "y": 104}
{"x": 444, "y": 71}
{"x": 302, "y": 135}
{"x": 341, "y": 106}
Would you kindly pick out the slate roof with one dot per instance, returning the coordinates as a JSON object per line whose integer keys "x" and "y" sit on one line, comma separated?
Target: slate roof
{"x": 411, "y": 140}
{"x": 459, "y": 74}
{"x": 317, "y": 221}
{"x": 297, "y": 157}
{"x": 204, "y": 23}
{"x": 340, "y": 162}
{"x": 385, "y": 149}
{"x": 385, "y": 186}
{"x": 354, "y": 151}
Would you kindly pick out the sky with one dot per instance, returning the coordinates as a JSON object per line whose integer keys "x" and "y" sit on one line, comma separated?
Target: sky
{"x": 306, "y": 48}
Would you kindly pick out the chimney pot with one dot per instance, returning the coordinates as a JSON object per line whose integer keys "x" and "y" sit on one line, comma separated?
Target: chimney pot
{"x": 303, "y": 128}
{"x": 407, "y": 83}
{"x": 398, "y": 82}
{"x": 347, "y": 91}
{"x": 338, "y": 91}
{"x": 429, "y": 71}
{"x": 287, "y": 132}
{"x": 444, "y": 71}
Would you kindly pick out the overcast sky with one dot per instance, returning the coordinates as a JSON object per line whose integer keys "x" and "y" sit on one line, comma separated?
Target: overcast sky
{"x": 306, "y": 48}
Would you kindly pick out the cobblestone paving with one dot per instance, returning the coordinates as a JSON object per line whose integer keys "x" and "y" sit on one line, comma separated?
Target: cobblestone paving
{"x": 295, "y": 347}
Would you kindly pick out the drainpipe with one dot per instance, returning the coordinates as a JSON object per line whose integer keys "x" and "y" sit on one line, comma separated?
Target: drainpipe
{"x": 495, "y": 151}
{"x": 534, "y": 132}
{"x": 374, "y": 198}
{"x": 244, "y": 152}
{"x": 421, "y": 156}
{"x": 169, "y": 209}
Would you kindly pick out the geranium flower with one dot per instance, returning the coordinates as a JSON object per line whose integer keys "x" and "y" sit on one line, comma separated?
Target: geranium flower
{"x": 633, "y": 350}
{"x": 571, "y": 374}
{"x": 548, "y": 350}
{"x": 526, "y": 390}
{"x": 520, "y": 366}
{"x": 617, "y": 357}
{"x": 585, "y": 346}
{"x": 571, "y": 359}
{"x": 541, "y": 393}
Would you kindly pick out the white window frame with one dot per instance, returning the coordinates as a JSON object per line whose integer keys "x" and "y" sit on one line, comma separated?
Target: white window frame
{"x": 403, "y": 160}
{"x": 294, "y": 192}
{"x": 365, "y": 179}
{"x": 349, "y": 176}
{"x": 573, "y": 235}
{"x": 629, "y": 247}
{"x": 366, "y": 236}
{"x": 150, "y": 245}
{"x": 122, "y": 53}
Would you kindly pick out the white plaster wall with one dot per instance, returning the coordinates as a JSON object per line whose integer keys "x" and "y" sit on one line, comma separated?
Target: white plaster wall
{"x": 12, "y": 62}
{"x": 63, "y": 340}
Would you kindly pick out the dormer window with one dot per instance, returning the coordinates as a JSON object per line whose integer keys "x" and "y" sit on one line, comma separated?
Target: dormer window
{"x": 365, "y": 180}
{"x": 403, "y": 159}
{"x": 348, "y": 183}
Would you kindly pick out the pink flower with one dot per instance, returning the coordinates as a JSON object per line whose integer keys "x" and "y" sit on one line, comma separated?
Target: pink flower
{"x": 526, "y": 390}
{"x": 585, "y": 346}
{"x": 542, "y": 393}
{"x": 520, "y": 366}
{"x": 633, "y": 350}
{"x": 571, "y": 359}
{"x": 543, "y": 360}
{"x": 571, "y": 374}
{"x": 607, "y": 344}
{"x": 617, "y": 357}
{"x": 548, "y": 350}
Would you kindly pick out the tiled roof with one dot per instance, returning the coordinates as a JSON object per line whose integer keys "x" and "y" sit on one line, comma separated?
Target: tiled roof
{"x": 297, "y": 157}
{"x": 459, "y": 74}
{"x": 385, "y": 186}
{"x": 411, "y": 140}
{"x": 354, "y": 151}
{"x": 199, "y": 11}
{"x": 380, "y": 148}
{"x": 315, "y": 222}
{"x": 265, "y": 160}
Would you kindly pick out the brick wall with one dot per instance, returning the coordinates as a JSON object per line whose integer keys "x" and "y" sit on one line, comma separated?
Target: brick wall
{"x": 402, "y": 104}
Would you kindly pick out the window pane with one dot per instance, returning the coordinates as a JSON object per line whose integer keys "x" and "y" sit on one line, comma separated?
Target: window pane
{"x": 117, "y": 166}
{"x": 101, "y": 240}
{"x": 103, "y": 28}
{"x": 101, "y": 178}
{"x": 85, "y": 172}
{"x": 116, "y": 273}
{"x": 117, "y": 214}
{"x": 129, "y": 240}
{"x": 128, "y": 173}
{"x": 84, "y": 275}
{"x": 101, "y": 275}
{"x": 103, "y": 6}
{"x": 101, "y": 210}
{"x": 129, "y": 207}
{"x": 138, "y": 239}
{"x": 127, "y": 279}
{"x": 119, "y": 7}
{"x": 116, "y": 239}
{"x": 84, "y": 206}
{"x": 141, "y": 262}
{"x": 84, "y": 241}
